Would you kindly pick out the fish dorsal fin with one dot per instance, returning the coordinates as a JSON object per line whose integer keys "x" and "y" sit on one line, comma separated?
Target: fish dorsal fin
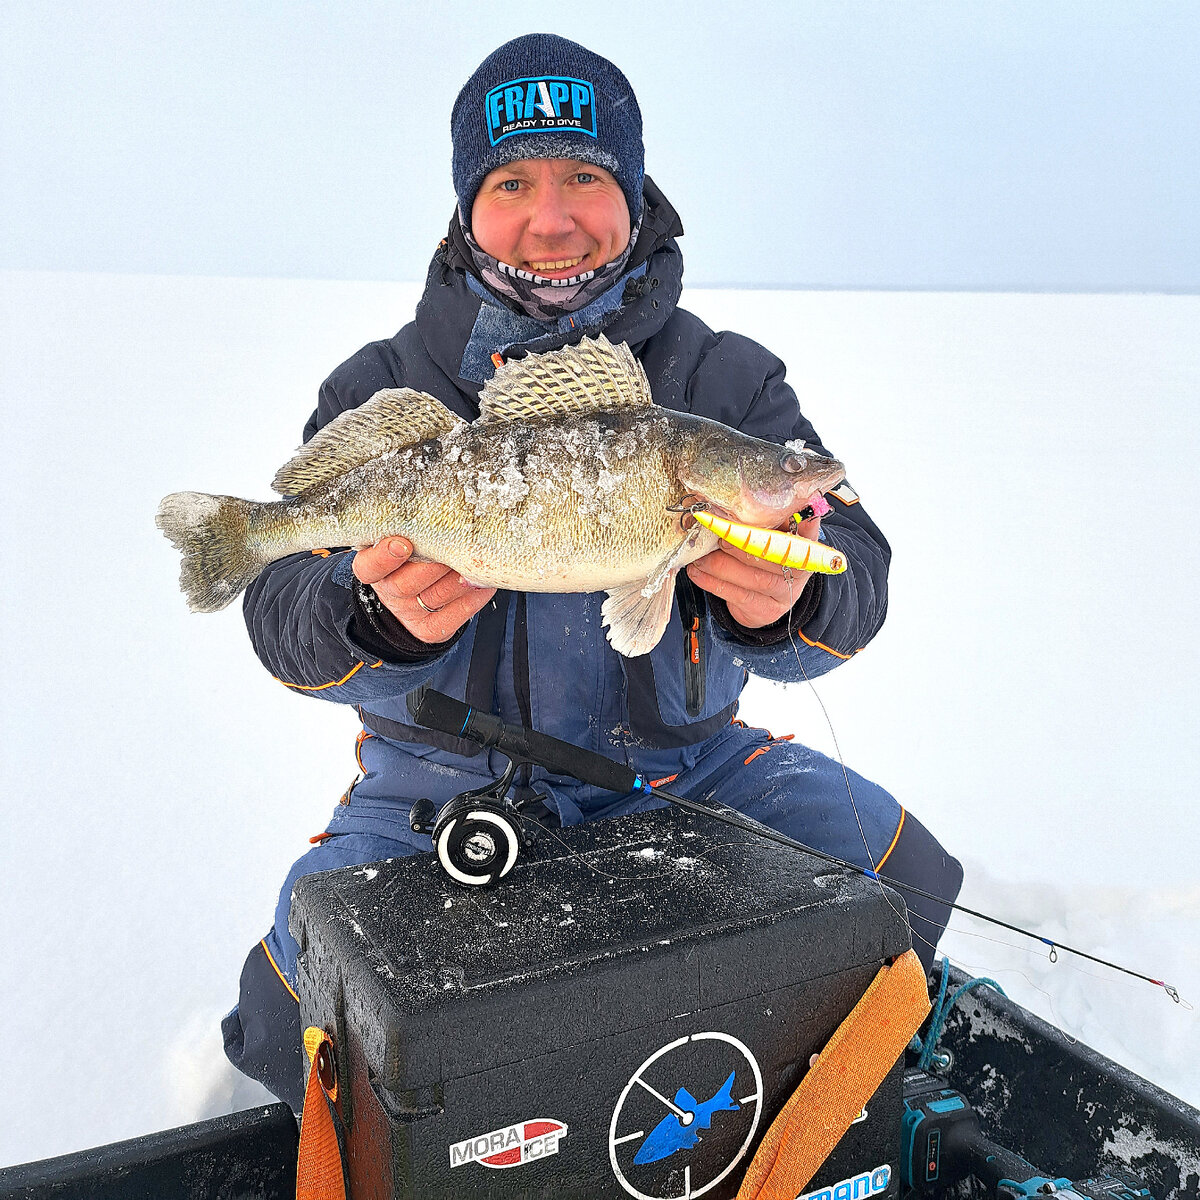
{"x": 390, "y": 420}
{"x": 593, "y": 376}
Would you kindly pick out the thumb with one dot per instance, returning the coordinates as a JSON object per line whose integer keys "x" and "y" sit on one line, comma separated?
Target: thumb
{"x": 374, "y": 563}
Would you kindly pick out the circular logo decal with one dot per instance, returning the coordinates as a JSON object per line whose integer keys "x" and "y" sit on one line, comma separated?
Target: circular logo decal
{"x": 686, "y": 1117}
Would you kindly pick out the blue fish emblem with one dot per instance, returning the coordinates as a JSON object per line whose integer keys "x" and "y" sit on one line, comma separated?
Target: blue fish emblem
{"x": 671, "y": 1134}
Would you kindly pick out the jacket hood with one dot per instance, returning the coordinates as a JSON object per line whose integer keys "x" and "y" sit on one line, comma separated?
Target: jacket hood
{"x": 448, "y": 308}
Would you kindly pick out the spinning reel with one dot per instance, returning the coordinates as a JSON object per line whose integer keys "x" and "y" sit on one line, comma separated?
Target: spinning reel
{"x": 476, "y": 835}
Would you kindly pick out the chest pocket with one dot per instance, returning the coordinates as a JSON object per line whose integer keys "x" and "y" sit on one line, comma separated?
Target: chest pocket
{"x": 671, "y": 692}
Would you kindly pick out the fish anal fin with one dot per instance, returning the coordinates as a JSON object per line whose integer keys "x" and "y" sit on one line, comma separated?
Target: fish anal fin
{"x": 592, "y": 376}
{"x": 390, "y": 420}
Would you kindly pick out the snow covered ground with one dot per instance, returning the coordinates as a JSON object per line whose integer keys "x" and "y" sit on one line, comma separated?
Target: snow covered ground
{"x": 1032, "y": 698}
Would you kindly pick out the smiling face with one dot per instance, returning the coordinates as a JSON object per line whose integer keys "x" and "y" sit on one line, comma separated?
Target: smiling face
{"x": 554, "y": 217}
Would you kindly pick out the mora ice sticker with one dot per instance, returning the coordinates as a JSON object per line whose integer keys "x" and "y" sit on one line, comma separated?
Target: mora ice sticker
{"x": 511, "y": 1146}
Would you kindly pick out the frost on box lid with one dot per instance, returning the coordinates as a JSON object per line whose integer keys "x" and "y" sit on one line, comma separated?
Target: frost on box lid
{"x": 616, "y": 923}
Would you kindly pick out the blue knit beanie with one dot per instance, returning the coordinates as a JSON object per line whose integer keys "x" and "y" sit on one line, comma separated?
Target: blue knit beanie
{"x": 542, "y": 96}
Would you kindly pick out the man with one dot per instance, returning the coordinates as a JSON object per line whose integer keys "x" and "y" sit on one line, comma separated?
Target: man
{"x": 558, "y": 234}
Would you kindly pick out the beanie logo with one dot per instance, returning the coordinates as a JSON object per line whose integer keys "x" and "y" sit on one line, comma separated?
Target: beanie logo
{"x": 532, "y": 105}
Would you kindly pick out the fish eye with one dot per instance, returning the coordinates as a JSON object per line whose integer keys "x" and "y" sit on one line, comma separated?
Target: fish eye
{"x": 794, "y": 464}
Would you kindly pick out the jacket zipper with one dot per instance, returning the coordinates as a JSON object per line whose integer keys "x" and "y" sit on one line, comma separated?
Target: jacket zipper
{"x": 691, "y": 611}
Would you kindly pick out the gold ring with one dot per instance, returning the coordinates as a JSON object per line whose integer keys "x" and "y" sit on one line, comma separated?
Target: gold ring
{"x": 425, "y": 606}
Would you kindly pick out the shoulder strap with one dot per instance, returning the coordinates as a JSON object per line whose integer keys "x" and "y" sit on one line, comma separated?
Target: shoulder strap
{"x": 861, "y": 1052}
{"x": 321, "y": 1165}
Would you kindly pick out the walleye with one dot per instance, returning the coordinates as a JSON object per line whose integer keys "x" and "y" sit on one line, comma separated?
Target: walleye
{"x": 570, "y": 480}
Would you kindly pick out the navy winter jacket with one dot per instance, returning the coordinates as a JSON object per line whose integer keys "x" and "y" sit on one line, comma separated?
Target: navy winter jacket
{"x": 543, "y": 659}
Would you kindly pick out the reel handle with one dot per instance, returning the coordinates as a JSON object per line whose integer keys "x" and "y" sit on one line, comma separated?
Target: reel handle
{"x": 421, "y": 816}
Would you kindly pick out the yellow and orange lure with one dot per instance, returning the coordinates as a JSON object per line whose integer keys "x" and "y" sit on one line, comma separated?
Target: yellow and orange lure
{"x": 773, "y": 545}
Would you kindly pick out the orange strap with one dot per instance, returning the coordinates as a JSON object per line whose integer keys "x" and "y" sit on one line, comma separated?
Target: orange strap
{"x": 863, "y": 1049}
{"x": 320, "y": 1171}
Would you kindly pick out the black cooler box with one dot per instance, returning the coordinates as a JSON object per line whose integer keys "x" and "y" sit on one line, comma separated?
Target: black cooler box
{"x": 623, "y": 1015}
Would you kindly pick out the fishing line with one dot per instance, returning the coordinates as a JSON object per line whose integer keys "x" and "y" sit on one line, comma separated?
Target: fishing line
{"x": 572, "y": 852}
{"x": 837, "y": 749}
{"x": 1054, "y": 946}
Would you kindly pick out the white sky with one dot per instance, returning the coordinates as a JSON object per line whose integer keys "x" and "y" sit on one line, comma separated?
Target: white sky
{"x": 859, "y": 143}
{"x": 1032, "y": 696}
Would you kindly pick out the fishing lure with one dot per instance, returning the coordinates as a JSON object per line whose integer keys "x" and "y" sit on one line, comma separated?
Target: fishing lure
{"x": 773, "y": 545}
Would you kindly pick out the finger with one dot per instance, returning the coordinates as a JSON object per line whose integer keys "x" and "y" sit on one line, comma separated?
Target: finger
{"x": 749, "y": 606}
{"x": 752, "y": 575}
{"x": 736, "y": 593}
{"x": 373, "y": 563}
{"x": 438, "y": 626}
{"x": 447, "y": 588}
{"x": 750, "y": 560}
{"x": 414, "y": 579}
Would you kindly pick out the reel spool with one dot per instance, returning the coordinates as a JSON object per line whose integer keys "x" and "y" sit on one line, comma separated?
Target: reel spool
{"x": 475, "y": 836}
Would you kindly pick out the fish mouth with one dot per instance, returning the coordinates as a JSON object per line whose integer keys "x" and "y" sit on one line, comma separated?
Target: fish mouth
{"x": 804, "y": 507}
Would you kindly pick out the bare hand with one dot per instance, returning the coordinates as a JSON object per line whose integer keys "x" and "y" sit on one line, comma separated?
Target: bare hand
{"x": 446, "y": 600}
{"x": 757, "y": 592}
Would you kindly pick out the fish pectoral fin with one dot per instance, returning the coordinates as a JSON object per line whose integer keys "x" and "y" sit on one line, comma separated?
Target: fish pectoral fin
{"x": 696, "y": 542}
{"x": 392, "y": 419}
{"x": 593, "y": 376}
{"x": 637, "y": 614}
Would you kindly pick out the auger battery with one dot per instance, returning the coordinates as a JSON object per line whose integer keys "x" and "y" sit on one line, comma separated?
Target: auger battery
{"x": 623, "y": 1015}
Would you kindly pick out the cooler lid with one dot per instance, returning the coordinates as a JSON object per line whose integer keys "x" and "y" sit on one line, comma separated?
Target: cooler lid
{"x": 604, "y": 927}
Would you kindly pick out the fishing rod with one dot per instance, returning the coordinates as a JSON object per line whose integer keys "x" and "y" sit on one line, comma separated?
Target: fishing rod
{"x": 477, "y": 843}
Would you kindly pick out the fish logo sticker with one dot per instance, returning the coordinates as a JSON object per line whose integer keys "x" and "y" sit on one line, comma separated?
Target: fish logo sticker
{"x": 683, "y": 1132}
{"x": 663, "y": 1138}
{"x": 512, "y": 1146}
{"x": 532, "y": 105}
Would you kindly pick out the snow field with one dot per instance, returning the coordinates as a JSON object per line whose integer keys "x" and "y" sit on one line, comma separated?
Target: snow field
{"x": 1032, "y": 697}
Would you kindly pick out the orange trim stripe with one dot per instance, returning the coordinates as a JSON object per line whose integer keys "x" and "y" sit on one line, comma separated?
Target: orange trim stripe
{"x": 787, "y": 737}
{"x": 321, "y": 553}
{"x": 278, "y": 972}
{"x": 358, "y": 741}
{"x": 320, "y": 687}
{"x": 879, "y": 864}
{"x": 822, "y": 646}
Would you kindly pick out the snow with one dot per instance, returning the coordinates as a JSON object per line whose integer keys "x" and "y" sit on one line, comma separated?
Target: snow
{"x": 1032, "y": 697}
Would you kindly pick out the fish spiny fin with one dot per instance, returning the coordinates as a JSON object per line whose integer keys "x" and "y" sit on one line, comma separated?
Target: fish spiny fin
{"x": 593, "y": 376}
{"x": 390, "y": 420}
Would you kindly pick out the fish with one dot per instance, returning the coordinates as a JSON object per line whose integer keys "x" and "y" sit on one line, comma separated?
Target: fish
{"x": 571, "y": 479}
{"x": 672, "y": 1134}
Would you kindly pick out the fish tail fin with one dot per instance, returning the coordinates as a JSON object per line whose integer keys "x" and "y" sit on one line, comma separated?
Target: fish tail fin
{"x": 213, "y": 534}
